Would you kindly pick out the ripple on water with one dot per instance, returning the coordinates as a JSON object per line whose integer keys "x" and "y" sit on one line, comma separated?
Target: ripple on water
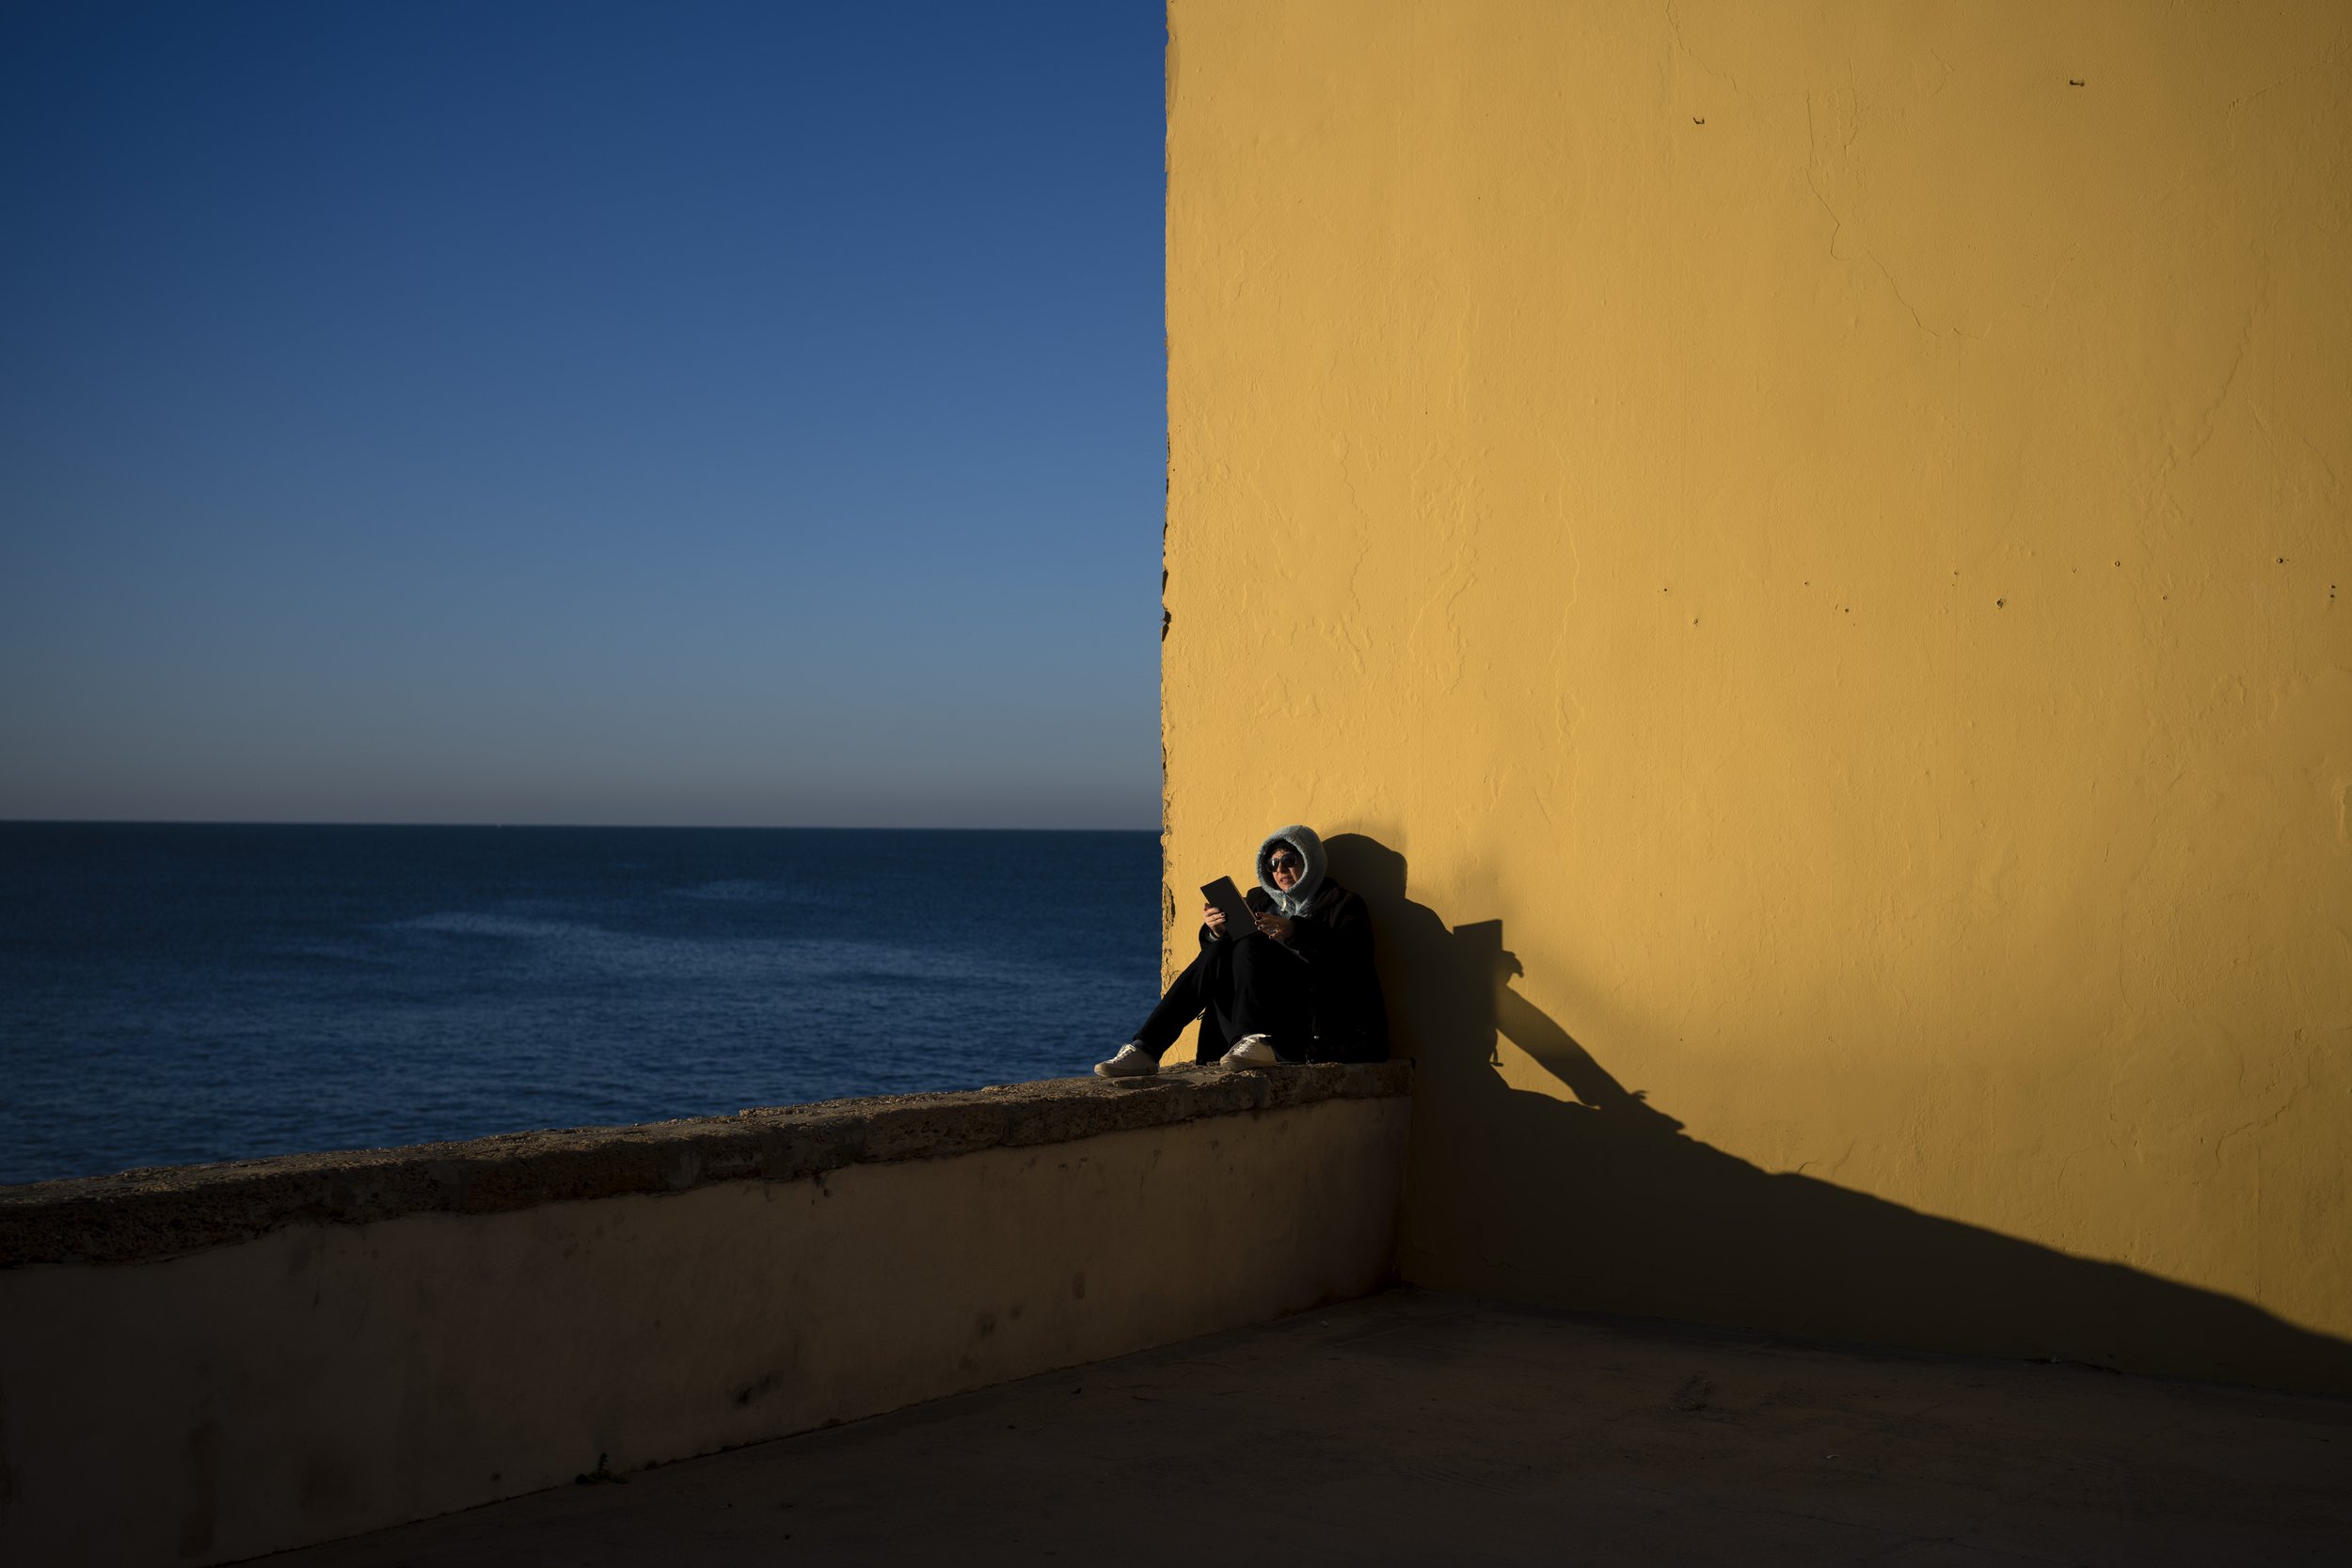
{"x": 221, "y": 994}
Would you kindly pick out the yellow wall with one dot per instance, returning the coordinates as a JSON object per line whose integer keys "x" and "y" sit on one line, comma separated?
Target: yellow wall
{"x": 1834, "y": 536}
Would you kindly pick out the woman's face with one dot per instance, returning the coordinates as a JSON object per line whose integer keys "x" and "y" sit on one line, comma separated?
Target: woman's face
{"x": 1285, "y": 866}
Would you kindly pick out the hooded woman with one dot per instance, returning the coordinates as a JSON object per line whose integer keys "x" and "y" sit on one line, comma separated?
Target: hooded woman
{"x": 1298, "y": 988}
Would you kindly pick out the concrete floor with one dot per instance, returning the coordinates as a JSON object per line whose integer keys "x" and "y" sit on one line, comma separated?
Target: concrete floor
{"x": 1425, "y": 1429}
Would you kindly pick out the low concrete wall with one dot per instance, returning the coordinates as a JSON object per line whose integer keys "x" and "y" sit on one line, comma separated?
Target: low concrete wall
{"x": 209, "y": 1363}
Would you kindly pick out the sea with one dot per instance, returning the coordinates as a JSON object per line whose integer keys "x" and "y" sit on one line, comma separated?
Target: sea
{"x": 174, "y": 993}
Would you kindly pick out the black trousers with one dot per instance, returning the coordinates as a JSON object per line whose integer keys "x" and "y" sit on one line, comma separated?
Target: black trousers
{"x": 1251, "y": 986}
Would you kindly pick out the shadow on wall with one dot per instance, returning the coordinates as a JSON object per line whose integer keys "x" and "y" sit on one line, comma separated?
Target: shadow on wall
{"x": 1602, "y": 1203}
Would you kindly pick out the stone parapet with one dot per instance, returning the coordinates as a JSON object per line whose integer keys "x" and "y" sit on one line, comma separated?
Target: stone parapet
{"x": 168, "y": 1210}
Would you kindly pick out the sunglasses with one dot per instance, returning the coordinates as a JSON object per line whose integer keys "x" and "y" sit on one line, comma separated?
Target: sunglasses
{"x": 1285, "y": 862}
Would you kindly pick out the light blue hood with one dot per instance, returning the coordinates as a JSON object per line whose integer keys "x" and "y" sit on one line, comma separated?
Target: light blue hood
{"x": 1301, "y": 838}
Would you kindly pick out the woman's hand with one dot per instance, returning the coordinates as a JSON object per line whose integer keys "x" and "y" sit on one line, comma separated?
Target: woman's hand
{"x": 1275, "y": 926}
{"x": 1213, "y": 918}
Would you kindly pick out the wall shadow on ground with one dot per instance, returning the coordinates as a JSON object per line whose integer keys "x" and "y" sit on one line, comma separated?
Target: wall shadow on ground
{"x": 1604, "y": 1203}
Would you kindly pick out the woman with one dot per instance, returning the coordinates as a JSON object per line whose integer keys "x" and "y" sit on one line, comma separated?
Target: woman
{"x": 1298, "y": 986}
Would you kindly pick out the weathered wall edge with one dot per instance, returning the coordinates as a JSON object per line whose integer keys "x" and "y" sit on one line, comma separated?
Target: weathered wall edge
{"x": 143, "y": 1215}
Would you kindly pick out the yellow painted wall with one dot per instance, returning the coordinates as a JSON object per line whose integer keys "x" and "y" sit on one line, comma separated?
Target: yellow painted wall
{"x": 1834, "y": 536}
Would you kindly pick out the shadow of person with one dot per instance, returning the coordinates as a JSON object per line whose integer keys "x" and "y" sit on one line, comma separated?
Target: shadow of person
{"x": 1591, "y": 1198}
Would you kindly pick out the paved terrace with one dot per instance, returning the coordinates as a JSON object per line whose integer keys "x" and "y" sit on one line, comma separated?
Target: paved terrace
{"x": 1425, "y": 1429}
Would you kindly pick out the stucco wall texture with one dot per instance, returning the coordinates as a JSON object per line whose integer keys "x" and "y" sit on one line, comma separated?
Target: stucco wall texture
{"x": 1803, "y": 549}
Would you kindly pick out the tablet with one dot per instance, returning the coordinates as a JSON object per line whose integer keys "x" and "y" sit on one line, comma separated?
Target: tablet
{"x": 1239, "y": 922}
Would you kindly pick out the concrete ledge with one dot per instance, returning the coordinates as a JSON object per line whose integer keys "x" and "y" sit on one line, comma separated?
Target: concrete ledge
{"x": 171, "y": 1211}
{"x": 211, "y": 1363}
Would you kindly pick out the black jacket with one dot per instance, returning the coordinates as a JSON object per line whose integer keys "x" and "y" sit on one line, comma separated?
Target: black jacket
{"x": 1334, "y": 937}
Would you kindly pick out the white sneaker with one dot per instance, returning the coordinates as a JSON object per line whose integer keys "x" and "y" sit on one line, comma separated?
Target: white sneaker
{"x": 1132, "y": 1061}
{"x": 1251, "y": 1051}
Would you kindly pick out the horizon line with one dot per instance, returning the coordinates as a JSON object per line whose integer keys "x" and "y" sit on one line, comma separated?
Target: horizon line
{"x": 553, "y": 827}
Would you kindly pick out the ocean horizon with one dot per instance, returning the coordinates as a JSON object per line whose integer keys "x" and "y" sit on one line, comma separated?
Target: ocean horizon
{"x": 181, "y": 993}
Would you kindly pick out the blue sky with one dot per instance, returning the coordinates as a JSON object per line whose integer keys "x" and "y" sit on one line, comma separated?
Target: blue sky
{"x": 564, "y": 412}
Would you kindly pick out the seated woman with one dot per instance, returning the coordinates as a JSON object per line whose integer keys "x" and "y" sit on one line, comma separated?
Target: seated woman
{"x": 1298, "y": 987}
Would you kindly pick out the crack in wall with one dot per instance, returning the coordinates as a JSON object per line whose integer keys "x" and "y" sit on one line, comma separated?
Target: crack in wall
{"x": 2320, "y": 68}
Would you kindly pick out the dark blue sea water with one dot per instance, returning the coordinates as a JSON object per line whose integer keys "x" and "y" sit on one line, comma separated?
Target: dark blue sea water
{"x": 173, "y": 993}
